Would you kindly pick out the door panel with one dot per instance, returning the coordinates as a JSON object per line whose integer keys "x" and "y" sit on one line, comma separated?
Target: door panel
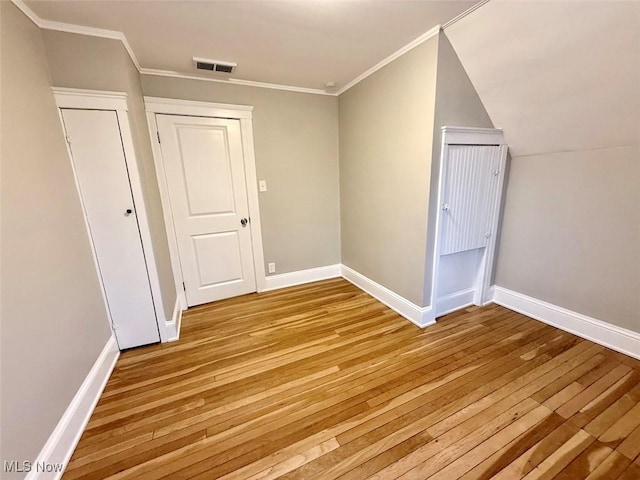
{"x": 204, "y": 160}
{"x": 100, "y": 166}
{"x": 204, "y": 169}
{"x": 213, "y": 268}
{"x": 469, "y": 185}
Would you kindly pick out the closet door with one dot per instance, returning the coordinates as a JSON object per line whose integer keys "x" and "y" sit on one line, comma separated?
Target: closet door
{"x": 470, "y": 188}
{"x": 103, "y": 180}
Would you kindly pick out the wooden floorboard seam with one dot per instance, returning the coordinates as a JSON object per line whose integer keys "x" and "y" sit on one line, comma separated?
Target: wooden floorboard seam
{"x": 321, "y": 381}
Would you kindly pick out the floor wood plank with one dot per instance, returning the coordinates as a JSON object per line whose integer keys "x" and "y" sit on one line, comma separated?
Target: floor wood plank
{"x": 321, "y": 381}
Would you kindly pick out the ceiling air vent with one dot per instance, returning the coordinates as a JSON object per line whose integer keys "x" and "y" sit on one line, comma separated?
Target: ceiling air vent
{"x": 217, "y": 66}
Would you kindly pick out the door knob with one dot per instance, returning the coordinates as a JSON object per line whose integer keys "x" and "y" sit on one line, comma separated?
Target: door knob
{"x": 128, "y": 212}
{"x": 244, "y": 222}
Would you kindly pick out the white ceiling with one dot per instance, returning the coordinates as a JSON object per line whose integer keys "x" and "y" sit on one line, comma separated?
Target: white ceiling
{"x": 302, "y": 43}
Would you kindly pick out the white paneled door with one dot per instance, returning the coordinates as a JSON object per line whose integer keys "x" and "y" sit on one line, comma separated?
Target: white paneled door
{"x": 205, "y": 178}
{"x": 103, "y": 180}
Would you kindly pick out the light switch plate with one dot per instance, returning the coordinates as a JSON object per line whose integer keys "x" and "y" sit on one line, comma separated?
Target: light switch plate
{"x": 262, "y": 185}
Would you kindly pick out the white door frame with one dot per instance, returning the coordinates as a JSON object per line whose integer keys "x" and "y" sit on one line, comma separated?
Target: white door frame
{"x": 243, "y": 113}
{"x": 117, "y": 101}
{"x": 470, "y": 136}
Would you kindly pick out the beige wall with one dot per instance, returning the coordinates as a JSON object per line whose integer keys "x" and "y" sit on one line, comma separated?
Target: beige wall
{"x": 457, "y": 104}
{"x": 296, "y": 144}
{"x": 54, "y": 322}
{"x": 571, "y": 232}
{"x": 570, "y": 109}
{"x": 296, "y": 148}
{"x": 564, "y": 85}
{"x": 386, "y": 132}
{"x": 80, "y": 61}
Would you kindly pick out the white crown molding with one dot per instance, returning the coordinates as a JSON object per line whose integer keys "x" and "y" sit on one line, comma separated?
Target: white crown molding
{"x": 234, "y": 81}
{"x": 275, "y": 86}
{"x": 116, "y": 35}
{"x": 78, "y": 29}
{"x": 603, "y": 333}
{"x": 28, "y": 12}
{"x": 398, "y": 53}
{"x": 465, "y": 13}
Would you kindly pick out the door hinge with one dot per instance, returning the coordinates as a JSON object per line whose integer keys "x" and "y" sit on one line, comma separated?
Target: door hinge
{"x": 158, "y": 134}
{"x": 183, "y": 287}
{"x": 68, "y": 139}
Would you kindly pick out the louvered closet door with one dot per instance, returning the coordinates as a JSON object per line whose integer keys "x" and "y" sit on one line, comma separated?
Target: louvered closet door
{"x": 470, "y": 188}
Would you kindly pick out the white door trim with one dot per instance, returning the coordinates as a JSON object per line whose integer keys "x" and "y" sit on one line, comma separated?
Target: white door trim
{"x": 117, "y": 101}
{"x": 197, "y": 109}
{"x": 243, "y": 113}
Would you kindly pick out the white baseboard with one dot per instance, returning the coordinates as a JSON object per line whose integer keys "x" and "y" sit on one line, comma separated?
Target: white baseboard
{"x": 603, "y": 333}
{"x": 421, "y": 316}
{"x": 283, "y": 280}
{"x": 64, "y": 439}
{"x": 454, "y": 301}
{"x": 172, "y": 328}
{"x": 491, "y": 292}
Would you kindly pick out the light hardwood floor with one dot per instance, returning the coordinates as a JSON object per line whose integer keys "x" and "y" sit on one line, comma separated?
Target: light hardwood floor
{"x": 323, "y": 382}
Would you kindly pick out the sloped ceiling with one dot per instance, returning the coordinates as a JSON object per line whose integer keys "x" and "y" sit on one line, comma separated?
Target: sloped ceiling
{"x": 563, "y": 81}
{"x": 557, "y": 76}
{"x": 303, "y": 43}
